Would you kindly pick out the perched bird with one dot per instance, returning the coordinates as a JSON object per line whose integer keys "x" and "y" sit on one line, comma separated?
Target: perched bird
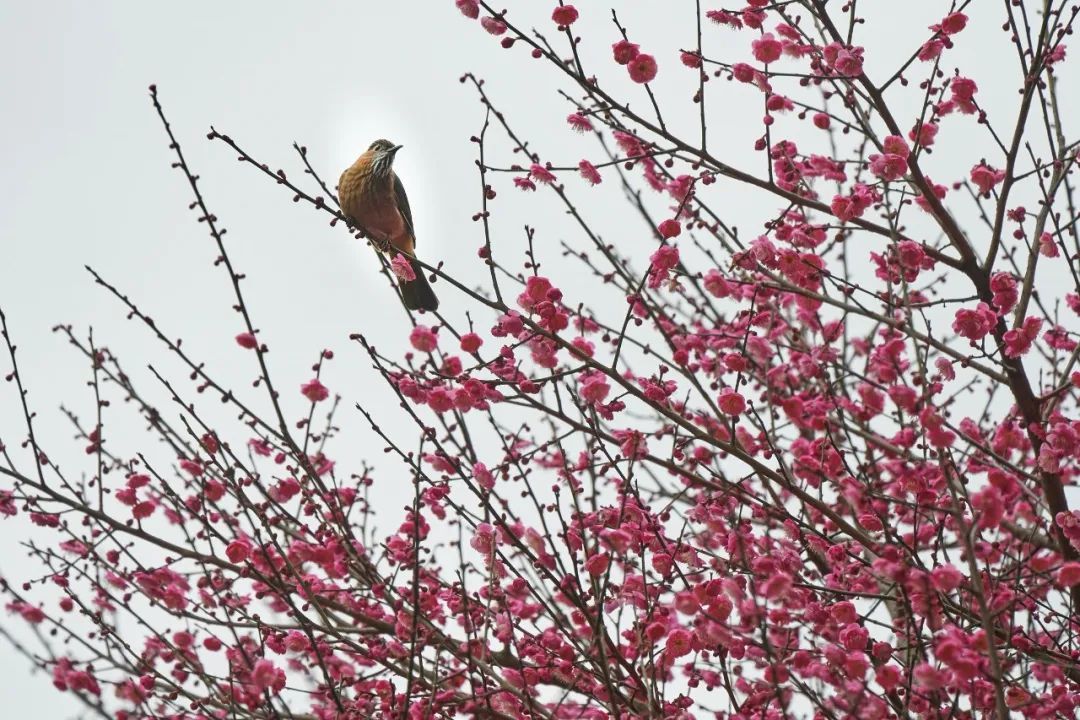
{"x": 373, "y": 198}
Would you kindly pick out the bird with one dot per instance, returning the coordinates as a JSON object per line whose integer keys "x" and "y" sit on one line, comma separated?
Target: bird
{"x": 372, "y": 198}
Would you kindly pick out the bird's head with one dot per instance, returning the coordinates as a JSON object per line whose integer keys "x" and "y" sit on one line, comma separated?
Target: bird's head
{"x": 382, "y": 152}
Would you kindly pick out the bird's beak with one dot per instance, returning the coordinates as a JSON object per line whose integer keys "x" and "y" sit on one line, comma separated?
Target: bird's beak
{"x": 395, "y": 149}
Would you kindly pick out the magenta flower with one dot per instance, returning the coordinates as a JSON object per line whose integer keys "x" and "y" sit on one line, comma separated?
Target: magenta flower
{"x": 888, "y": 166}
{"x": 974, "y": 324}
{"x": 564, "y": 15}
{"x": 767, "y": 48}
{"x": 731, "y": 402}
{"x": 946, "y": 578}
{"x": 493, "y": 25}
{"x": 669, "y": 228}
{"x": 402, "y": 268}
{"x": 665, "y": 258}
{"x": 690, "y": 60}
{"x": 845, "y": 61}
{"x": 678, "y": 644}
{"x": 541, "y": 174}
{"x": 191, "y": 467}
{"x": 625, "y": 51}
{"x": 238, "y": 550}
{"x": 1047, "y": 246}
{"x": 923, "y": 133}
{"x": 642, "y": 68}
{"x": 589, "y": 172}
{"x": 579, "y": 122}
{"x": 1068, "y": 575}
{"x": 1005, "y": 290}
{"x": 963, "y": 94}
{"x": 597, "y": 565}
{"x": 314, "y": 390}
{"x": 952, "y": 24}
{"x": 843, "y": 208}
{"x": 423, "y": 339}
{"x": 986, "y": 177}
{"x": 468, "y": 8}
{"x": 471, "y": 342}
{"x": 266, "y": 677}
{"x": 1019, "y": 340}
{"x": 594, "y": 388}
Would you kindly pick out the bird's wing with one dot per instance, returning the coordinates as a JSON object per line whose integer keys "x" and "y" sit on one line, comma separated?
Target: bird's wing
{"x": 403, "y": 205}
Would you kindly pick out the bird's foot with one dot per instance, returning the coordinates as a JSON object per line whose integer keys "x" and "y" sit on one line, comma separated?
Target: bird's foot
{"x": 380, "y": 242}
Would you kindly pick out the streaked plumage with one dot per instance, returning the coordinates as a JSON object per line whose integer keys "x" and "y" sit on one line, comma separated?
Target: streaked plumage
{"x": 372, "y": 197}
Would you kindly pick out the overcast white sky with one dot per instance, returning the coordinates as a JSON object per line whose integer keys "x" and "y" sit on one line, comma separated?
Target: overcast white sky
{"x": 85, "y": 177}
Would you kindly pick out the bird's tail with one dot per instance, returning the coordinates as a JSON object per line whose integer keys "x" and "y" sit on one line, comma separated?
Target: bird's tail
{"x": 417, "y": 293}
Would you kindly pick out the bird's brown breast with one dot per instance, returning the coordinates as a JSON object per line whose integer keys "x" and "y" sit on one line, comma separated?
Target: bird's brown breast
{"x": 369, "y": 202}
